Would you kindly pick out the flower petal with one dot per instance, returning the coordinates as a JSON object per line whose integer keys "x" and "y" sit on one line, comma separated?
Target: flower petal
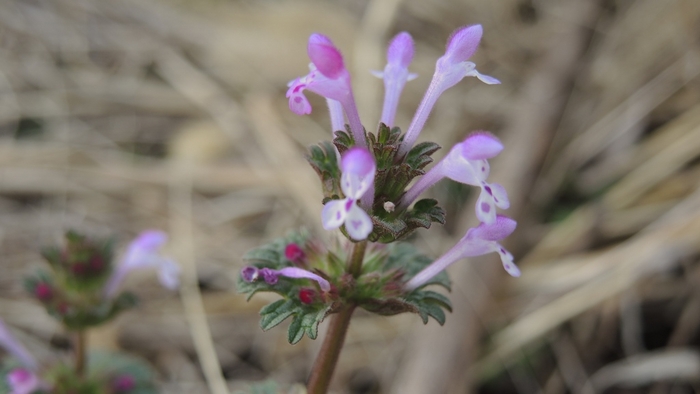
{"x": 463, "y": 43}
{"x": 485, "y": 208}
{"x": 500, "y": 196}
{"x": 169, "y": 274}
{"x": 294, "y": 272}
{"x": 358, "y": 170}
{"x": 459, "y": 169}
{"x": 487, "y": 79}
{"x": 333, "y": 214}
{"x": 502, "y": 227}
{"x": 400, "y": 50}
{"x": 325, "y": 56}
{"x": 358, "y": 224}
{"x": 480, "y": 145}
{"x": 508, "y": 264}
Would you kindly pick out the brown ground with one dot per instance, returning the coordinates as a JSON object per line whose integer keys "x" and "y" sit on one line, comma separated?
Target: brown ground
{"x": 116, "y": 116}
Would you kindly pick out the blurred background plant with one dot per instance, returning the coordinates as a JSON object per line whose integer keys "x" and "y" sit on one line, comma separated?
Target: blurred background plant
{"x": 122, "y": 115}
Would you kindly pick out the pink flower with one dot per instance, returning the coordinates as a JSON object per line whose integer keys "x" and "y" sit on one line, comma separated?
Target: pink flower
{"x": 271, "y": 276}
{"x": 395, "y": 74}
{"x": 143, "y": 253}
{"x": 23, "y": 381}
{"x": 15, "y": 348}
{"x": 451, "y": 68}
{"x": 357, "y": 179}
{"x": 478, "y": 241}
{"x": 329, "y": 78}
{"x": 467, "y": 163}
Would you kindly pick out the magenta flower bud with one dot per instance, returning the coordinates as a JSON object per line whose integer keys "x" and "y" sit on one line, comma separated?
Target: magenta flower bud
{"x": 395, "y": 74}
{"x": 294, "y": 253}
{"x": 43, "y": 291}
{"x": 307, "y": 296}
{"x": 123, "y": 383}
{"x": 478, "y": 241}
{"x": 144, "y": 253}
{"x": 357, "y": 180}
{"x": 467, "y": 163}
{"x": 249, "y": 274}
{"x": 15, "y": 348}
{"x": 329, "y": 78}
{"x": 451, "y": 68}
{"x": 23, "y": 381}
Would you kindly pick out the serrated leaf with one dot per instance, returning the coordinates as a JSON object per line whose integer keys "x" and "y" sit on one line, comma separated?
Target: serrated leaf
{"x": 420, "y": 152}
{"x": 435, "y": 312}
{"x": 275, "y": 313}
{"x": 295, "y": 331}
{"x": 435, "y": 297}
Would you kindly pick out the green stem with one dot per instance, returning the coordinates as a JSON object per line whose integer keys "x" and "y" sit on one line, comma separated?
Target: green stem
{"x": 327, "y": 359}
{"x": 356, "y": 258}
{"x": 80, "y": 350}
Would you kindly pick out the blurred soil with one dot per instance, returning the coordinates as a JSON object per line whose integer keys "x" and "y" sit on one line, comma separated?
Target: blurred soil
{"x": 117, "y": 116}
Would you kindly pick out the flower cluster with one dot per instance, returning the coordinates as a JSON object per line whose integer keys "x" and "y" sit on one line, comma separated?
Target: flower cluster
{"x": 82, "y": 287}
{"x": 372, "y": 185}
{"x": 82, "y": 290}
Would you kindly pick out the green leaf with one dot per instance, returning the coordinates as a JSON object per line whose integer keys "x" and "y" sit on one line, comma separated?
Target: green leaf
{"x": 275, "y": 313}
{"x": 419, "y": 156}
{"x": 295, "y": 331}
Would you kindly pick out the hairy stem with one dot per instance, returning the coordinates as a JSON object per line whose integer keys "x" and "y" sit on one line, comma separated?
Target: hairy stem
{"x": 80, "y": 350}
{"x": 327, "y": 358}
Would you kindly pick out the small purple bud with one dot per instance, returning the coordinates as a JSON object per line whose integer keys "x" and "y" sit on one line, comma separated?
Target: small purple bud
{"x": 269, "y": 275}
{"x": 249, "y": 274}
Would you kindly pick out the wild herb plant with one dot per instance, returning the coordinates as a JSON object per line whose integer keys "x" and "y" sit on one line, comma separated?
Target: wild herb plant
{"x": 372, "y": 183}
{"x": 82, "y": 289}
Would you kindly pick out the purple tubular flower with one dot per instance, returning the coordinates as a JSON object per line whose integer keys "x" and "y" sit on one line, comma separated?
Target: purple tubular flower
{"x": 467, "y": 163}
{"x": 357, "y": 180}
{"x": 16, "y": 349}
{"x": 329, "y": 78}
{"x": 271, "y": 276}
{"x": 23, "y": 381}
{"x": 337, "y": 118}
{"x": 451, "y": 68}
{"x": 478, "y": 241}
{"x": 395, "y": 74}
{"x": 143, "y": 252}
